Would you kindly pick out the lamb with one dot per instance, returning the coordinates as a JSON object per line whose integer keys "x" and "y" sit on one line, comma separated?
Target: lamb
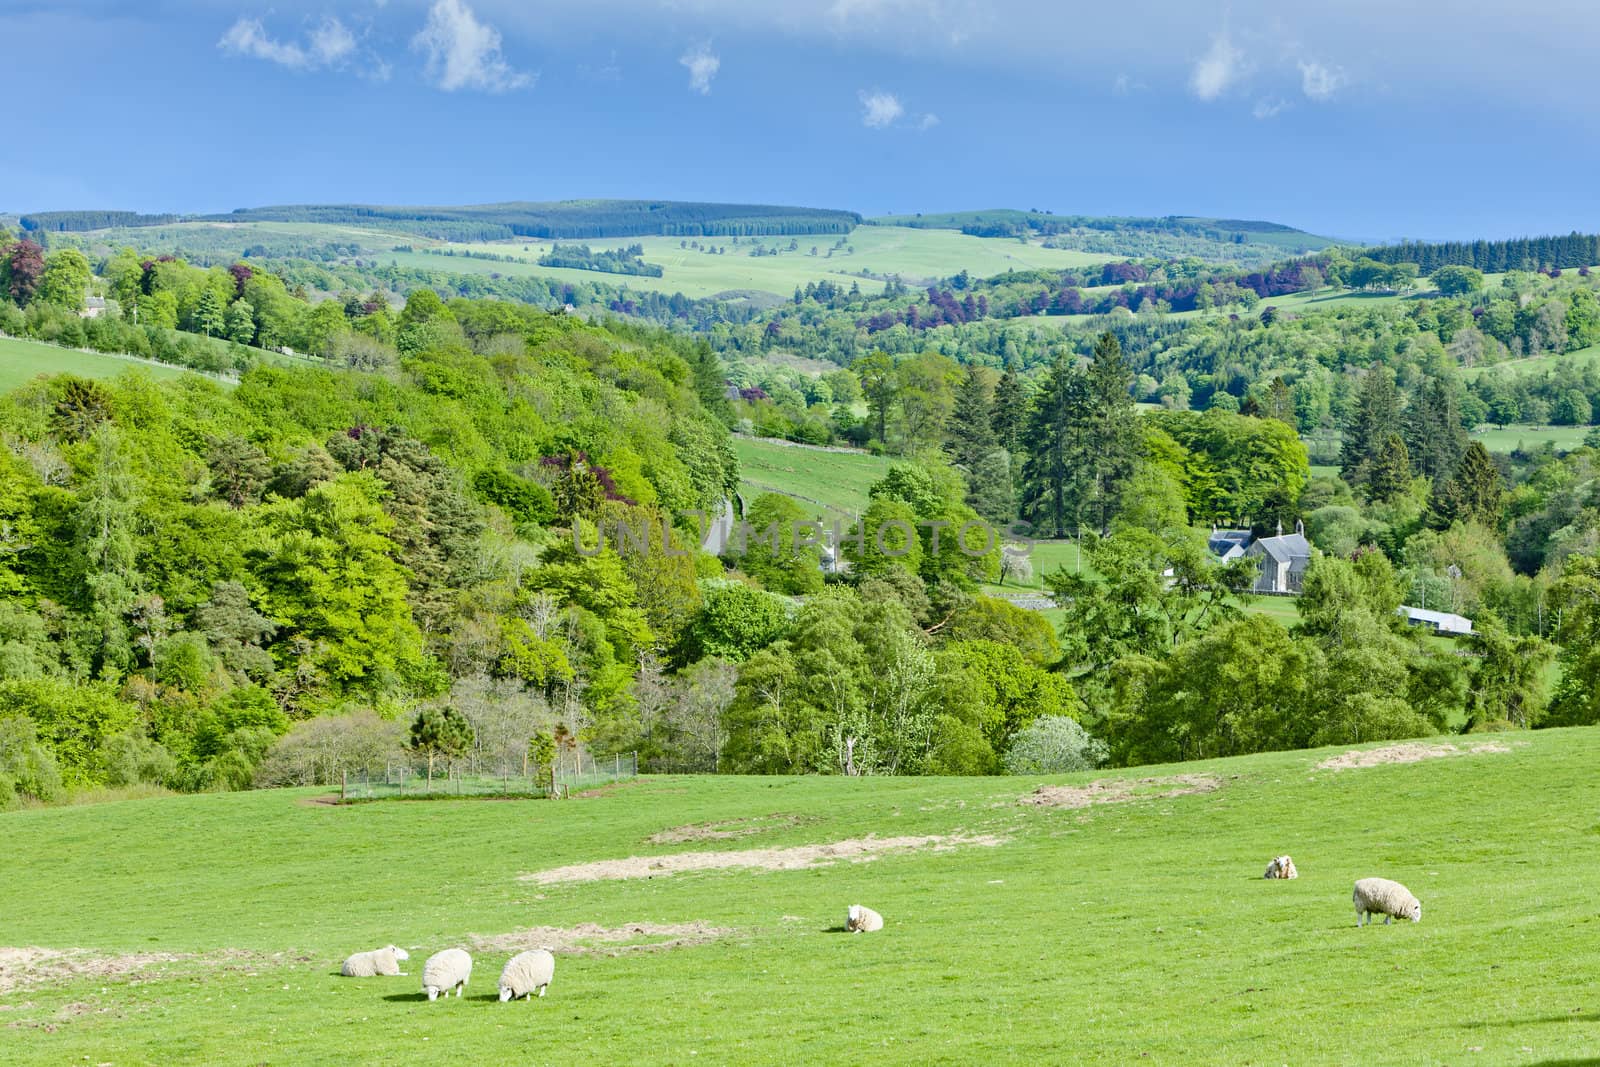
{"x": 385, "y": 961}
{"x": 525, "y": 972}
{"x": 1379, "y": 896}
{"x": 1281, "y": 867}
{"x": 445, "y": 971}
{"x": 863, "y": 920}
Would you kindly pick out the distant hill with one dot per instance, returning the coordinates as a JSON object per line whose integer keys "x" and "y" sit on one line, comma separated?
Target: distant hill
{"x": 1247, "y": 241}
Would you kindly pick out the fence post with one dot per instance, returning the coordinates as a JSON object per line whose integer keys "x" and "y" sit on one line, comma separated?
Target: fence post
{"x": 341, "y": 784}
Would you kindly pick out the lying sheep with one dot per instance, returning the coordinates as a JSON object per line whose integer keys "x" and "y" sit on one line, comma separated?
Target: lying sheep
{"x": 445, "y": 971}
{"x": 863, "y": 920}
{"x": 1379, "y": 896}
{"x": 384, "y": 961}
{"x": 525, "y": 972}
{"x": 1281, "y": 867}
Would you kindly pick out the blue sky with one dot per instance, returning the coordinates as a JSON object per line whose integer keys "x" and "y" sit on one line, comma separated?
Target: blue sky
{"x": 1423, "y": 118}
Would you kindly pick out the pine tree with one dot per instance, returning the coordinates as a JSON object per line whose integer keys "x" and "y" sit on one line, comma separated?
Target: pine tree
{"x": 1434, "y": 437}
{"x": 1377, "y": 416}
{"x": 1390, "y": 474}
{"x": 971, "y": 433}
{"x": 1009, "y": 411}
{"x": 1056, "y": 475}
{"x": 1280, "y": 402}
{"x": 1114, "y": 429}
{"x": 1472, "y": 494}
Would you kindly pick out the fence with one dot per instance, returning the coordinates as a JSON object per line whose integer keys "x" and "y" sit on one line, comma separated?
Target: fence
{"x": 571, "y": 773}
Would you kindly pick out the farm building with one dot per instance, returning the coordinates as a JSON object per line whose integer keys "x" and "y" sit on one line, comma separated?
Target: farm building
{"x": 1229, "y": 545}
{"x": 1283, "y": 557}
{"x": 1440, "y": 622}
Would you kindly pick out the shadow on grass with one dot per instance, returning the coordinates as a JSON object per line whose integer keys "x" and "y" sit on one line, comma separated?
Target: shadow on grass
{"x": 835, "y": 930}
{"x": 1580, "y": 1061}
{"x": 1572, "y": 1017}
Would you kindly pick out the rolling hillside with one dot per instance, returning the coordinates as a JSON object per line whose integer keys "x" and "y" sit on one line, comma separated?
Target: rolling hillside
{"x": 1135, "y": 928}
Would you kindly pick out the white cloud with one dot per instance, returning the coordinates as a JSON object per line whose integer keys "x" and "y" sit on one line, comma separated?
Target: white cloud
{"x": 247, "y": 37}
{"x": 1270, "y": 107}
{"x": 1220, "y": 67}
{"x": 1321, "y": 82}
{"x": 702, "y": 65}
{"x": 879, "y": 109}
{"x": 329, "y": 46}
{"x": 464, "y": 53}
{"x": 331, "y": 42}
{"x": 929, "y": 121}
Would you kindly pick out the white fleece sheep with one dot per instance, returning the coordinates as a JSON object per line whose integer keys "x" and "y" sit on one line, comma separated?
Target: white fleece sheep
{"x": 862, "y": 920}
{"x": 1379, "y": 896}
{"x": 445, "y": 971}
{"x": 384, "y": 961}
{"x": 1281, "y": 867}
{"x": 525, "y": 972}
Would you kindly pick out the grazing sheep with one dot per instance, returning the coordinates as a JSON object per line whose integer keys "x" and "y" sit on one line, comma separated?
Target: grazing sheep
{"x": 863, "y": 920}
{"x": 525, "y": 972}
{"x": 1379, "y": 896}
{"x": 1281, "y": 867}
{"x": 384, "y": 961}
{"x": 445, "y": 971}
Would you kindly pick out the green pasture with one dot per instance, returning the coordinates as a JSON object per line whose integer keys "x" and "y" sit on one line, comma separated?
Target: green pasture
{"x": 1135, "y": 932}
{"x": 833, "y": 484}
{"x": 1515, "y": 435}
{"x": 21, "y": 361}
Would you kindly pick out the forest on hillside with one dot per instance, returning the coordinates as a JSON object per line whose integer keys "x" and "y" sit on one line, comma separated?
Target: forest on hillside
{"x": 391, "y": 544}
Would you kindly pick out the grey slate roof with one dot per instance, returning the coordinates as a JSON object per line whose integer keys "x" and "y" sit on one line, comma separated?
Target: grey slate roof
{"x": 1286, "y": 547}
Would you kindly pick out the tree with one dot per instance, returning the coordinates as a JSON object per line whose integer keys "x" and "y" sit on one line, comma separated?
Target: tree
{"x": 971, "y": 434}
{"x": 440, "y": 731}
{"x": 1434, "y": 436}
{"x": 239, "y": 470}
{"x": 1009, "y": 411}
{"x": 210, "y": 317}
{"x": 1472, "y": 494}
{"x": 1457, "y": 280}
{"x": 1114, "y": 432}
{"x": 1507, "y": 681}
{"x": 65, "y": 281}
{"x": 1577, "y": 596}
{"x": 21, "y": 271}
{"x": 1390, "y": 473}
{"x": 878, "y": 384}
{"x": 240, "y": 322}
{"x": 1056, "y": 477}
{"x": 1376, "y": 417}
{"x": 1053, "y": 744}
{"x": 777, "y": 524}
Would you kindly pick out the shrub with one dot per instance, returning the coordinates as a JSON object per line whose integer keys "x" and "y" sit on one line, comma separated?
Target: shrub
{"x": 131, "y": 758}
{"x": 315, "y": 751}
{"x": 27, "y": 766}
{"x": 1053, "y": 744}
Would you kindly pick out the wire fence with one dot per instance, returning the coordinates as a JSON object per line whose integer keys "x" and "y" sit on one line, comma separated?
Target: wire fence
{"x": 414, "y": 780}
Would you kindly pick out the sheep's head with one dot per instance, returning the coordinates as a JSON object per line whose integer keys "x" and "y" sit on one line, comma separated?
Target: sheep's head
{"x": 1415, "y": 912}
{"x": 505, "y": 993}
{"x": 433, "y": 992}
{"x": 399, "y": 953}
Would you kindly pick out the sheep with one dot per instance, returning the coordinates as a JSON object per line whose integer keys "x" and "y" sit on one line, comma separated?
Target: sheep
{"x": 385, "y": 961}
{"x": 862, "y": 920}
{"x": 525, "y": 972}
{"x": 445, "y": 971}
{"x": 1281, "y": 867}
{"x": 1379, "y": 896}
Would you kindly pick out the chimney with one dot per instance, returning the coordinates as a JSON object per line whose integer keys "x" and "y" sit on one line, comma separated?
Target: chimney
{"x": 1280, "y": 527}
{"x": 1300, "y": 527}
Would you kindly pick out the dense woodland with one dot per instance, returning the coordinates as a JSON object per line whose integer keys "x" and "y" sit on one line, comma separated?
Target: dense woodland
{"x": 372, "y": 546}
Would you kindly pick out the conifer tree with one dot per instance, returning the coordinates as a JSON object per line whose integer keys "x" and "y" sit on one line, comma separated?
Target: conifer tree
{"x": 1434, "y": 437}
{"x": 1009, "y": 411}
{"x": 1114, "y": 429}
{"x": 971, "y": 433}
{"x": 1390, "y": 474}
{"x": 1055, "y": 474}
{"x": 1472, "y": 494}
{"x": 1377, "y": 415}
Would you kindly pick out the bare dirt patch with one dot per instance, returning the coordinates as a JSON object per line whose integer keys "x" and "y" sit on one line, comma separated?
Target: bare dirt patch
{"x": 1406, "y": 752}
{"x": 24, "y": 968}
{"x": 724, "y": 829}
{"x": 592, "y": 939}
{"x": 1120, "y": 790}
{"x": 854, "y": 850}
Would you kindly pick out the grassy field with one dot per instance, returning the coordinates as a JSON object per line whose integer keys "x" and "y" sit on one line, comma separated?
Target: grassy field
{"x": 1516, "y": 435}
{"x": 1518, "y": 368}
{"x": 915, "y": 255}
{"x": 834, "y": 484}
{"x": 21, "y": 361}
{"x": 1137, "y": 932}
